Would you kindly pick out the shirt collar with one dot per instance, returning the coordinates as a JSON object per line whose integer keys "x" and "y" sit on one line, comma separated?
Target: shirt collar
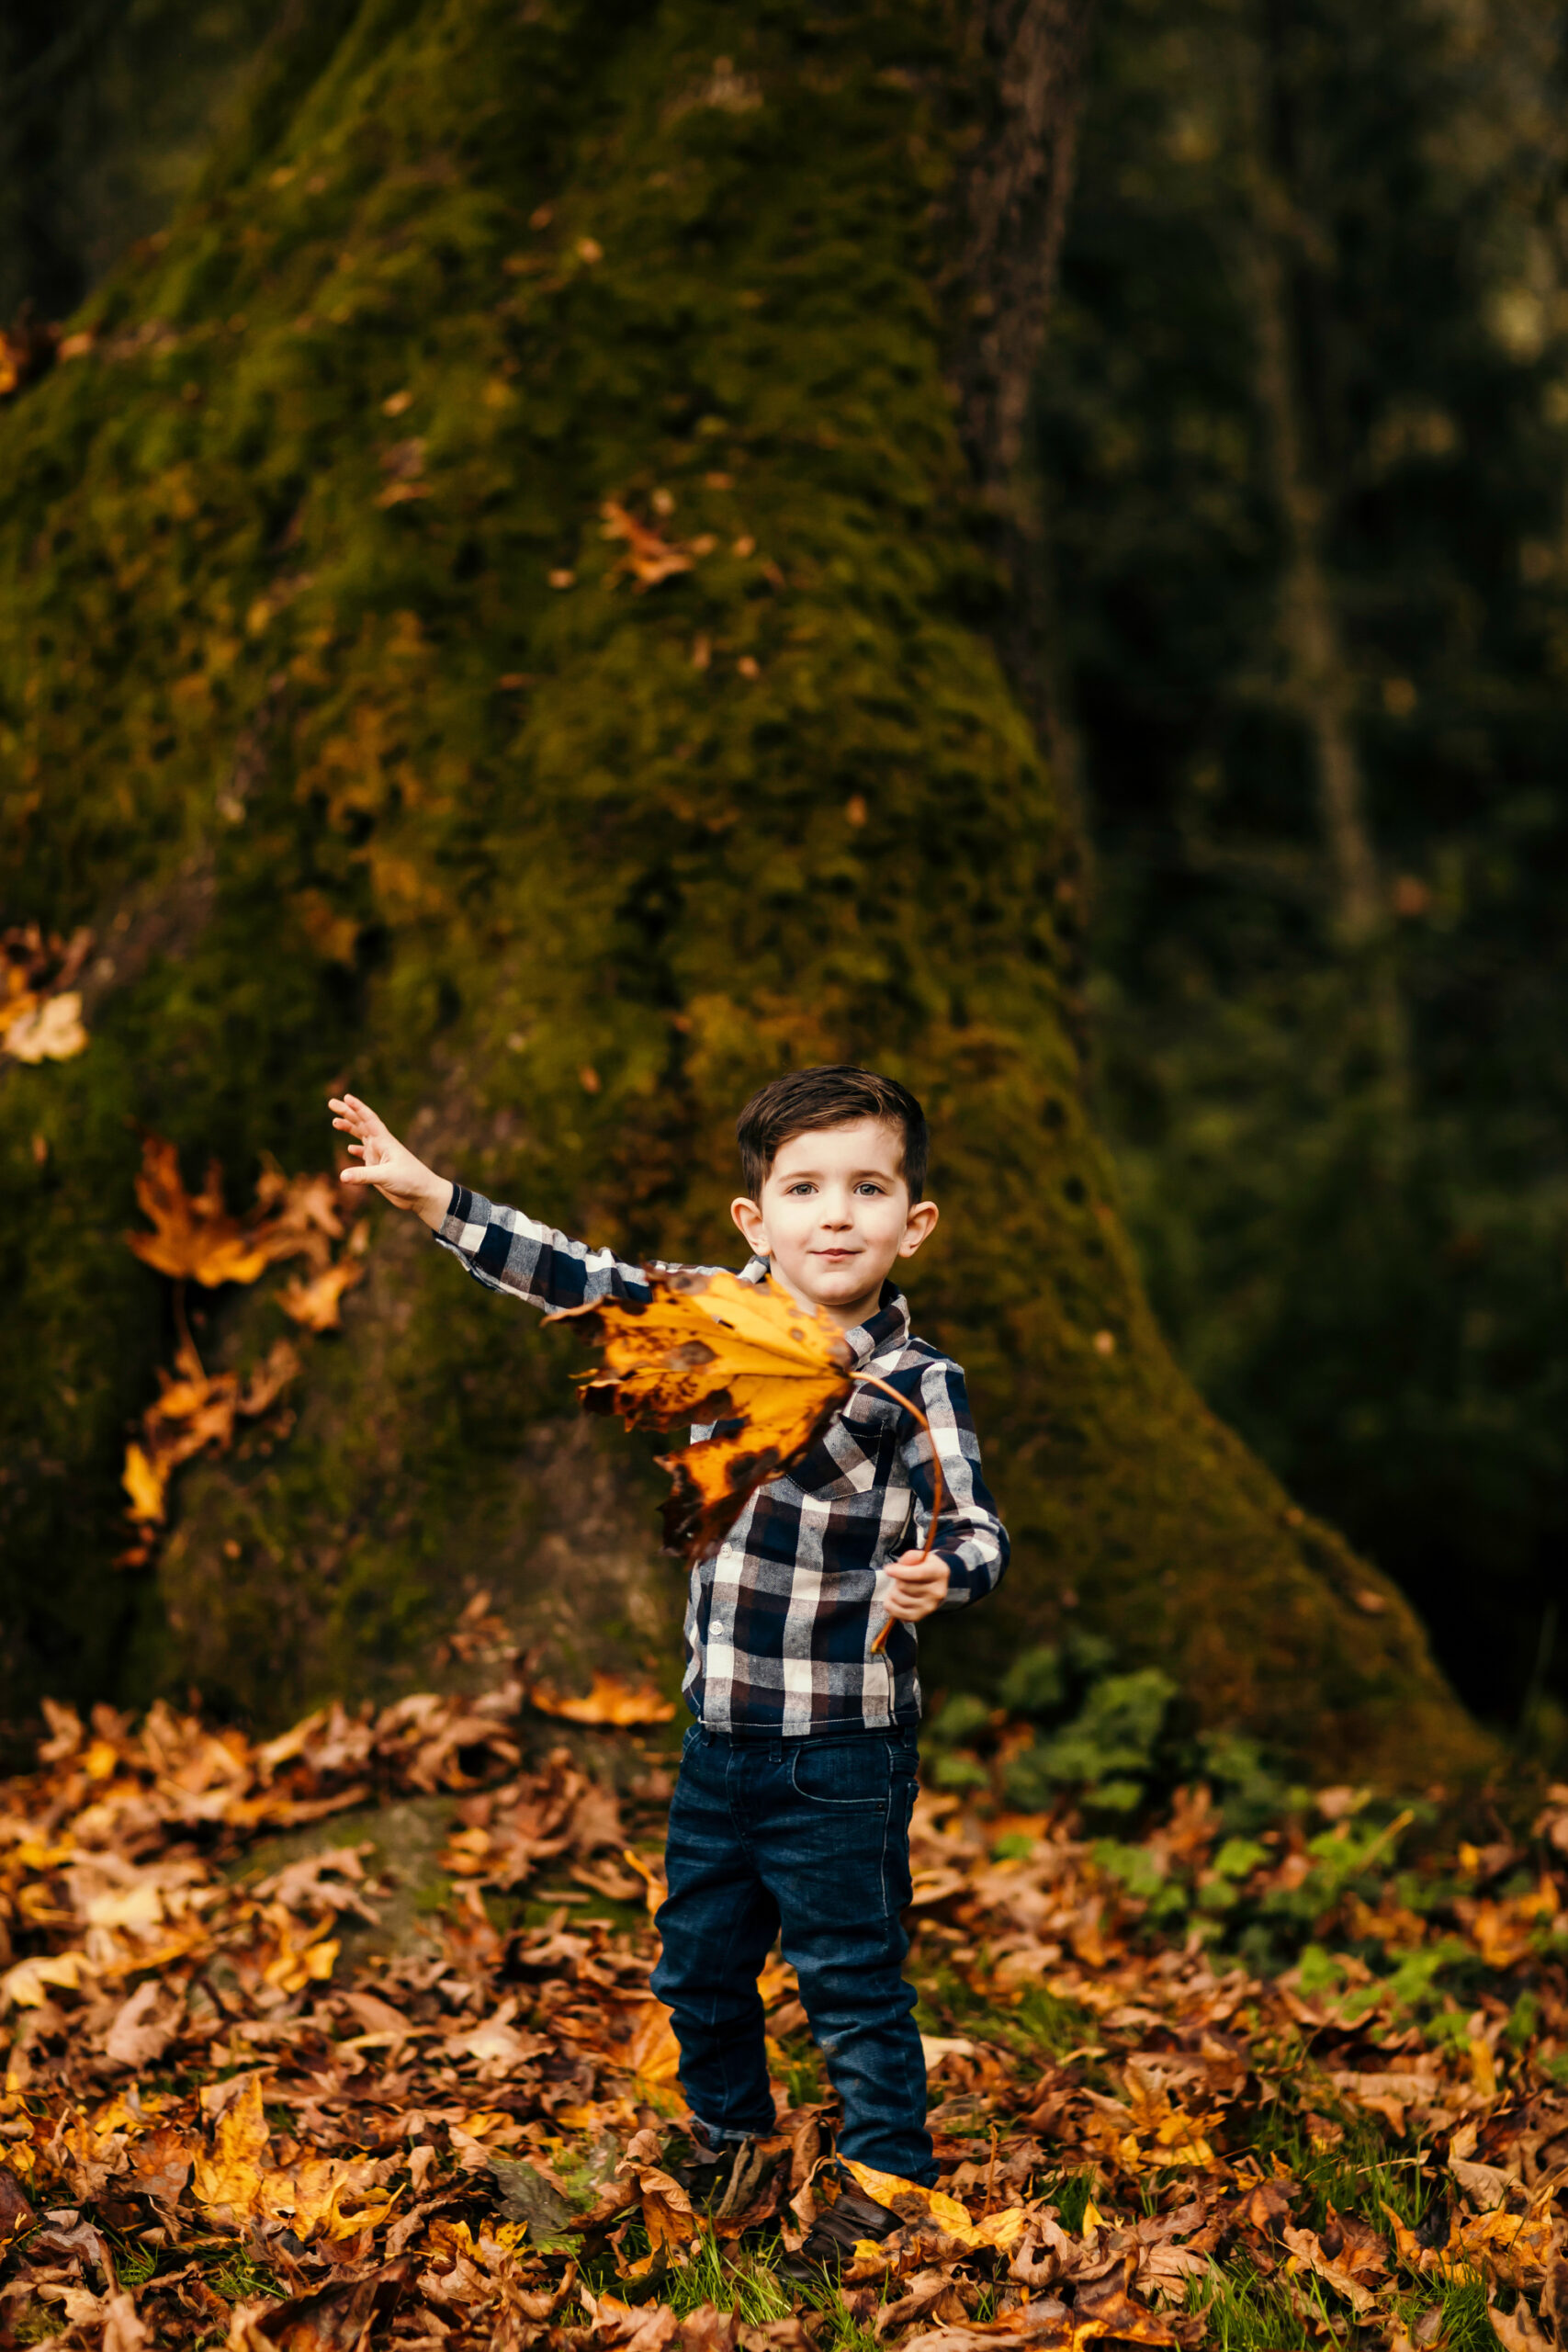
{"x": 887, "y": 1326}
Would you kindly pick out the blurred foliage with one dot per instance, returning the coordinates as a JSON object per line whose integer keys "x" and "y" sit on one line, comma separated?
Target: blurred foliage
{"x": 108, "y": 113}
{"x": 1342, "y": 1139}
{"x": 1074, "y": 1723}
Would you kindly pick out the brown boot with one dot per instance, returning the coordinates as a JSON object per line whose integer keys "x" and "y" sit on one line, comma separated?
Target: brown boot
{"x": 831, "y": 2241}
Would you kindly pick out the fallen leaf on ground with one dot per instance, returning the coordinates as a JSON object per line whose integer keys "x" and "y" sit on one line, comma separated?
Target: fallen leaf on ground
{"x": 648, "y": 558}
{"x": 316, "y": 1303}
{"x": 608, "y": 1700}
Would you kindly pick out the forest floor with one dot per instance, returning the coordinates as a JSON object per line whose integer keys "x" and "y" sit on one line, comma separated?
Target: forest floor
{"x": 346, "y": 2040}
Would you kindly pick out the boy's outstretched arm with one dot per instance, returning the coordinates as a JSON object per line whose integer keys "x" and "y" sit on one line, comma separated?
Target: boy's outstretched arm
{"x": 500, "y": 1247}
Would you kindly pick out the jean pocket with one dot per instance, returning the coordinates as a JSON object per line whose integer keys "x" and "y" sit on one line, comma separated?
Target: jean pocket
{"x": 847, "y": 1775}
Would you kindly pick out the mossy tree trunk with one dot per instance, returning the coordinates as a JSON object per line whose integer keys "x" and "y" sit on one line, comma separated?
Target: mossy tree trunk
{"x": 291, "y": 711}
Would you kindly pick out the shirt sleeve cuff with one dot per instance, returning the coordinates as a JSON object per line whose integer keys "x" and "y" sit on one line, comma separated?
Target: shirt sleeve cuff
{"x": 961, "y": 1582}
{"x": 460, "y": 1210}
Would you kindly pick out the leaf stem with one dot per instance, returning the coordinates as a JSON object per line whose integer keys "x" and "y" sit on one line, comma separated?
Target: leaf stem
{"x": 871, "y": 1381}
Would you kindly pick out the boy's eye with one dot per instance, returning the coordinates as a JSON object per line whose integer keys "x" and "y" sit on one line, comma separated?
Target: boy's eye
{"x": 869, "y": 1187}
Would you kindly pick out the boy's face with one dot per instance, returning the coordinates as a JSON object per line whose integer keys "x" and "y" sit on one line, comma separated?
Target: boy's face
{"x": 835, "y": 1214}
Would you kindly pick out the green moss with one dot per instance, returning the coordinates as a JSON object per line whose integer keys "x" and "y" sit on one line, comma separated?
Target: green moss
{"x": 546, "y": 872}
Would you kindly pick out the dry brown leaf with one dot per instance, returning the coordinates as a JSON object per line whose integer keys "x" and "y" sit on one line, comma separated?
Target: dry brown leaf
{"x": 316, "y": 1303}
{"x": 270, "y": 1378}
{"x": 338, "y": 2318}
{"x": 648, "y": 558}
{"x": 707, "y": 2329}
{"x": 124, "y": 2330}
{"x": 143, "y": 2028}
{"x": 1517, "y": 2330}
{"x": 652, "y": 2052}
{"x": 633, "y": 2328}
{"x": 194, "y": 1237}
{"x": 1308, "y": 2252}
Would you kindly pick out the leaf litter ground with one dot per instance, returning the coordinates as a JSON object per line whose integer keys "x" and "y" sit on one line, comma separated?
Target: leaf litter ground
{"x": 236, "y": 2114}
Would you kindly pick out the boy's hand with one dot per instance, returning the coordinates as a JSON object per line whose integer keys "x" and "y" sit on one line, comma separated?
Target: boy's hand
{"x": 915, "y": 1587}
{"x": 389, "y": 1165}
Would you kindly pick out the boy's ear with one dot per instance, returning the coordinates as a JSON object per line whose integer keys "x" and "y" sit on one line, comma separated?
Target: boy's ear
{"x": 752, "y": 1225}
{"x": 922, "y": 1222}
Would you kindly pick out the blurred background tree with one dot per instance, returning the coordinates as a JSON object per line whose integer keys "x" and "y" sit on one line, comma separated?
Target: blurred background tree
{"x": 1304, "y": 428}
{"x": 1301, "y": 431}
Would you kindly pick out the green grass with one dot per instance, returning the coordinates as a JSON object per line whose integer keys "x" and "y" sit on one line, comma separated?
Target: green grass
{"x": 1359, "y": 2176}
{"x": 1246, "y": 2311}
{"x": 1466, "y": 2327}
{"x": 1070, "y": 2196}
{"x": 1040, "y": 2025}
{"x": 239, "y": 2278}
{"x": 740, "y": 2280}
{"x": 134, "y": 2265}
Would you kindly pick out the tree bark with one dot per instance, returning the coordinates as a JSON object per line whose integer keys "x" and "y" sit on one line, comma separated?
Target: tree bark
{"x": 1320, "y": 686}
{"x": 326, "y": 698}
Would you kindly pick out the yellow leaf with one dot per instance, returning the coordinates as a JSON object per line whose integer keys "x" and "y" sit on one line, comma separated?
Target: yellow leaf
{"x": 1002, "y": 2230}
{"x": 708, "y": 1346}
{"x": 886, "y": 2188}
{"x": 310, "y": 2196}
{"x": 193, "y": 1235}
{"x": 25, "y": 1985}
{"x": 144, "y": 1485}
{"x": 609, "y": 1701}
{"x": 653, "y": 2052}
{"x": 777, "y": 1979}
{"x": 315, "y": 1303}
{"x": 1483, "y": 2068}
{"x": 232, "y": 2175}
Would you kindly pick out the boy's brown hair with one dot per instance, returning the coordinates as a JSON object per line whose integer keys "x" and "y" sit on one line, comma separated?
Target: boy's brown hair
{"x": 830, "y": 1096}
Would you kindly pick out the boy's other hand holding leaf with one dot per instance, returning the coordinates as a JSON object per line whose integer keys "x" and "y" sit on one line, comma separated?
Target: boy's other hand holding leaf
{"x": 388, "y": 1164}
{"x": 915, "y": 1586}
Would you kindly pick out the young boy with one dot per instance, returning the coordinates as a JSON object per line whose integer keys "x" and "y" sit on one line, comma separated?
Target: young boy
{"x": 797, "y": 1776}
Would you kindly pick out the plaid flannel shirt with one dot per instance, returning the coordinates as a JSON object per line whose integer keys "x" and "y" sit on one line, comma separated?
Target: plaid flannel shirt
{"x": 780, "y": 1617}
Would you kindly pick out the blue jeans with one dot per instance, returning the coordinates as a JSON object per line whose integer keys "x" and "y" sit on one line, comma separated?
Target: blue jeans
{"x": 812, "y": 1836}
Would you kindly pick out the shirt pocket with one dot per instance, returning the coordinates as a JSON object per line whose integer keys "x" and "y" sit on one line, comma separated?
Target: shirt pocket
{"x": 856, "y": 1453}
